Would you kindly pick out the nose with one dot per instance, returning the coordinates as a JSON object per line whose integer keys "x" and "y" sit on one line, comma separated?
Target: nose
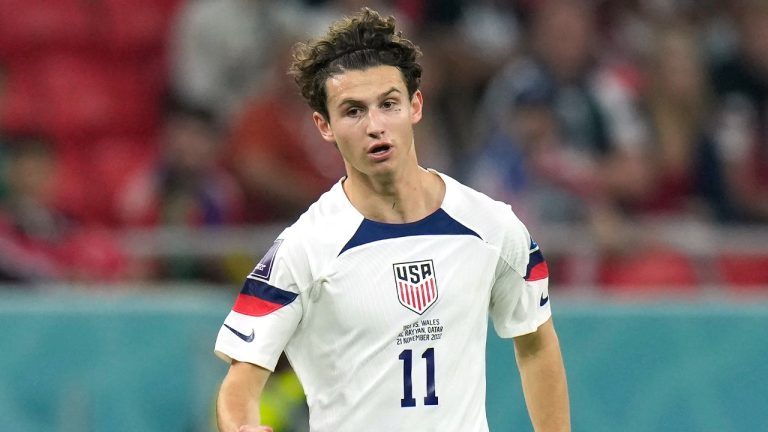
{"x": 375, "y": 127}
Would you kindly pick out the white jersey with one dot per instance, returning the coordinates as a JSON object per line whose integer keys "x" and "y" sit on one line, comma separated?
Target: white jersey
{"x": 386, "y": 324}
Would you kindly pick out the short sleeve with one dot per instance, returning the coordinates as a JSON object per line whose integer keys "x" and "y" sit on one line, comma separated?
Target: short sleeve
{"x": 520, "y": 295}
{"x": 266, "y": 312}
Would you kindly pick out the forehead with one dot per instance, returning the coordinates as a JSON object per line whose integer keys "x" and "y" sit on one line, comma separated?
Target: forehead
{"x": 363, "y": 84}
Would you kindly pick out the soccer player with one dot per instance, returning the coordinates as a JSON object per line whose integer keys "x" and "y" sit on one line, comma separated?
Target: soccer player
{"x": 380, "y": 293}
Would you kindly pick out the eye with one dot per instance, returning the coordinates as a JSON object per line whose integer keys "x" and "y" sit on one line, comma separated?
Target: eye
{"x": 353, "y": 112}
{"x": 388, "y": 104}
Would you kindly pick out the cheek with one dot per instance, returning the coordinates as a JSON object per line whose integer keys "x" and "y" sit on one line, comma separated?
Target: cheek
{"x": 344, "y": 146}
{"x": 346, "y": 132}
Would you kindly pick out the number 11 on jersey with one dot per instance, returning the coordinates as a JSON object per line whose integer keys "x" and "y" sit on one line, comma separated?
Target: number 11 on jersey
{"x": 407, "y": 357}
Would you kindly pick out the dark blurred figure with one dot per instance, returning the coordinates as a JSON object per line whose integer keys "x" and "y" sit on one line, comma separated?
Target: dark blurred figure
{"x": 186, "y": 186}
{"x": 741, "y": 84}
{"x": 38, "y": 241}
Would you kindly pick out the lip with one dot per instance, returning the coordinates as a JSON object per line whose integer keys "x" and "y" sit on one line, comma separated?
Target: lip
{"x": 380, "y": 151}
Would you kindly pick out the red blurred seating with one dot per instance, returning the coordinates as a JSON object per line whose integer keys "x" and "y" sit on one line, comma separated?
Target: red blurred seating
{"x": 67, "y": 95}
{"x": 130, "y": 25}
{"x": 30, "y": 25}
{"x": 652, "y": 270}
{"x": 744, "y": 271}
{"x": 91, "y": 174}
{"x": 18, "y": 108}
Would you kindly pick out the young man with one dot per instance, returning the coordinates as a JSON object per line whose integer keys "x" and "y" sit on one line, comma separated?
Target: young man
{"x": 380, "y": 293}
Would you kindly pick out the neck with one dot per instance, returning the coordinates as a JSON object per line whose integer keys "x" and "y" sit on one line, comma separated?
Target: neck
{"x": 408, "y": 197}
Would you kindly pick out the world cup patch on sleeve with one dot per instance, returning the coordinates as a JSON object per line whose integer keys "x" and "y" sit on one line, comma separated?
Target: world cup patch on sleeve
{"x": 264, "y": 268}
{"x": 416, "y": 285}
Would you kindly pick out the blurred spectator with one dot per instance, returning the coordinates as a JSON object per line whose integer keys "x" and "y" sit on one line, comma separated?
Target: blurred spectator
{"x": 223, "y": 51}
{"x": 684, "y": 179}
{"x": 37, "y": 240}
{"x": 741, "y": 83}
{"x": 687, "y": 178}
{"x": 527, "y": 163}
{"x": 277, "y": 154}
{"x": 186, "y": 186}
{"x": 564, "y": 135}
{"x": 580, "y": 109}
{"x": 464, "y": 44}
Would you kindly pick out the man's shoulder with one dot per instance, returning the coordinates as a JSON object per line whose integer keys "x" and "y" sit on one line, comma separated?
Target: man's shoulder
{"x": 497, "y": 224}
{"x": 493, "y": 220}
{"x": 466, "y": 199}
{"x": 327, "y": 222}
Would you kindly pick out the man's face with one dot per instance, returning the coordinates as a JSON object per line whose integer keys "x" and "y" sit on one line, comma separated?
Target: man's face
{"x": 371, "y": 120}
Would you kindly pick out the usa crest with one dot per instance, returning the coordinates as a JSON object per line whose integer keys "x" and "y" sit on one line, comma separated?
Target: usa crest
{"x": 416, "y": 285}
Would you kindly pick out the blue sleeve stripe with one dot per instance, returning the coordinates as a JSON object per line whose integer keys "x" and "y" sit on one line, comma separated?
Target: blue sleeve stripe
{"x": 267, "y": 292}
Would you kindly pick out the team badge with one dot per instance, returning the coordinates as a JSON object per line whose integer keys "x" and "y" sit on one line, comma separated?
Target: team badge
{"x": 416, "y": 285}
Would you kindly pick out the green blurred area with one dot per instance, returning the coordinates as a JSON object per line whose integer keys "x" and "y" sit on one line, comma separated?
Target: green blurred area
{"x": 144, "y": 362}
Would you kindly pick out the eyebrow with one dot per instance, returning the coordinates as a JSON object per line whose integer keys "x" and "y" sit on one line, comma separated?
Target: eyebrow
{"x": 351, "y": 101}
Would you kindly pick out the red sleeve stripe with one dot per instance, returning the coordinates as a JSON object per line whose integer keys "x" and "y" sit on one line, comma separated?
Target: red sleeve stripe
{"x": 537, "y": 267}
{"x": 254, "y": 306}
{"x": 259, "y": 298}
{"x": 538, "y": 272}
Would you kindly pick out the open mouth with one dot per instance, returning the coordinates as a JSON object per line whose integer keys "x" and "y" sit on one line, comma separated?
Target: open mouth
{"x": 379, "y": 149}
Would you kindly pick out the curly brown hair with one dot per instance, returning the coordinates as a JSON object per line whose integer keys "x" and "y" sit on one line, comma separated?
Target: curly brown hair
{"x": 357, "y": 42}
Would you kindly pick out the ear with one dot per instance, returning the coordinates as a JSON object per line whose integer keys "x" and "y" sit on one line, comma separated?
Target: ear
{"x": 417, "y": 102}
{"x": 324, "y": 126}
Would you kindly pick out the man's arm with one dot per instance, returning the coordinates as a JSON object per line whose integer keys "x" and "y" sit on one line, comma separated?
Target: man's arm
{"x": 543, "y": 377}
{"x": 237, "y": 408}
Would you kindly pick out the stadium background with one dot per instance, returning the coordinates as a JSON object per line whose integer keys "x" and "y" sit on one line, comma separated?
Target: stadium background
{"x": 132, "y": 133}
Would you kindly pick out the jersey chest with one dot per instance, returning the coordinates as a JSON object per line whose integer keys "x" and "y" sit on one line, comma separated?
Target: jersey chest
{"x": 379, "y": 288}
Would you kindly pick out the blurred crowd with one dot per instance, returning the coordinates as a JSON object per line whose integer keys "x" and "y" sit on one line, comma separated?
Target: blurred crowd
{"x": 601, "y": 114}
